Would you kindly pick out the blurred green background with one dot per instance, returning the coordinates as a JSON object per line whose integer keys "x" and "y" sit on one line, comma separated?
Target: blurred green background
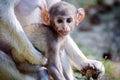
{"x": 98, "y": 35}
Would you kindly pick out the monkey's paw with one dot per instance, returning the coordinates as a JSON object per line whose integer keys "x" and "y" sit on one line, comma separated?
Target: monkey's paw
{"x": 93, "y": 68}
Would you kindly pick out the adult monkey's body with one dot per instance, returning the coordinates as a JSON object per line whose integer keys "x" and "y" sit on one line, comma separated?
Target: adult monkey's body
{"x": 12, "y": 24}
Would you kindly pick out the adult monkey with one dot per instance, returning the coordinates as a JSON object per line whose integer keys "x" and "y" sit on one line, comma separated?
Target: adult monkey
{"x": 26, "y": 12}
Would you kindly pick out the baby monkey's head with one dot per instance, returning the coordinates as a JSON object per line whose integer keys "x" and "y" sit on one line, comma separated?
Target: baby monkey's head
{"x": 63, "y": 17}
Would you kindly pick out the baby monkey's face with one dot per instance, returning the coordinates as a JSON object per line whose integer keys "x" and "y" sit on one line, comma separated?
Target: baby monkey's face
{"x": 64, "y": 17}
{"x": 64, "y": 24}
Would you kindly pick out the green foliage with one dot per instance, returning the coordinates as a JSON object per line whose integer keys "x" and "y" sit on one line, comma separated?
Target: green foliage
{"x": 87, "y": 1}
{"x": 78, "y": 75}
{"x": 109, "y": 68}
{"x": 79, "y": 45}
{"x": 117, "y": 79}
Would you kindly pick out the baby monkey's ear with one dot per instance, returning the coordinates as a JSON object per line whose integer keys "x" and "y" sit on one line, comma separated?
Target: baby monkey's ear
{"x": 80, "y": 15}
{"x": 45, "y": 17}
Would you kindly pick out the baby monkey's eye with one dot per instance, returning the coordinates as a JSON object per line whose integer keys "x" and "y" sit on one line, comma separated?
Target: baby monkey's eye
{"x": 59, "y": 21}
{"x": 69, "y": 20}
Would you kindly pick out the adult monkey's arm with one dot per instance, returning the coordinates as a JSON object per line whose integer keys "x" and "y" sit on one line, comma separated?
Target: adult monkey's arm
{"x": 12, "y": 31}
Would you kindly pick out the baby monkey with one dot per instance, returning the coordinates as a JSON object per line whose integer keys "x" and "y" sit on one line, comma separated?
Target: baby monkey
{"x": 50, "y": 37}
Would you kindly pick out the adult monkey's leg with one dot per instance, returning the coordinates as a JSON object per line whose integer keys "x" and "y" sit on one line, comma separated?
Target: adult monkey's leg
{"x": 8, "y": 70}
{"x": 37, "y": 71}
{"x": 24, "y": 70}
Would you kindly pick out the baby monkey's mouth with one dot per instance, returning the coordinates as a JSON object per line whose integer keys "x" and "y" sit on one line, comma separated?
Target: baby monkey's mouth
{"x": 63, "y": 32}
